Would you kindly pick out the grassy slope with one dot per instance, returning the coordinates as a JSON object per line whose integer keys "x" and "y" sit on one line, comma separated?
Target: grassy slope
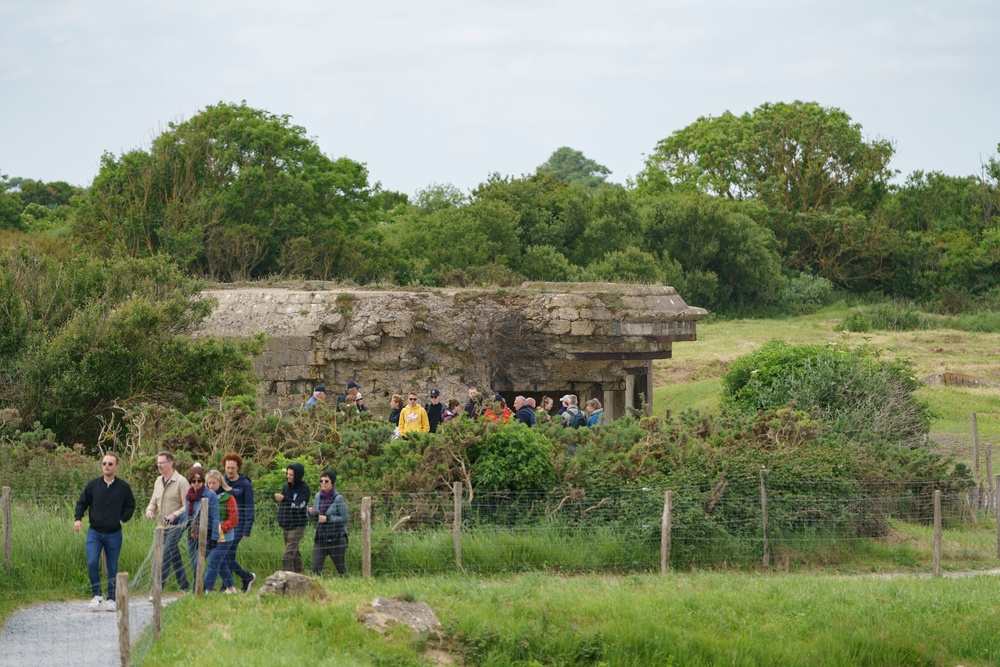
{"x": 540, "y": 618}
{"x": 691, "y": 378}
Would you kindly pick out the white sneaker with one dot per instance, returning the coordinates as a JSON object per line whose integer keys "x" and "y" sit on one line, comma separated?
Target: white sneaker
{"x": 95, "y": 604}
{"x": 109, "y": 605}
{"x": 231, "y": 591}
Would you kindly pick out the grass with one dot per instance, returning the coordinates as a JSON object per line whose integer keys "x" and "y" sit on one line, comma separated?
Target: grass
{"x": 542, "y": 618}
{"x": 691, "y": 378}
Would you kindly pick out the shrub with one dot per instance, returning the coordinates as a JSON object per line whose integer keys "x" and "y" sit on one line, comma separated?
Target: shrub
{"x": 513, "y": 458}
{"x": 855, "y": 393}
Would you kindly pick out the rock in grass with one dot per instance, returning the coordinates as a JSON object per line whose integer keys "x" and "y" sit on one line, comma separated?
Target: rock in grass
{"x": 291, "y": 584}
{"x": 385, "y": 612}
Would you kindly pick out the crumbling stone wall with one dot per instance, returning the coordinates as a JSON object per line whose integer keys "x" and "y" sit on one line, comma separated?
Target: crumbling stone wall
{"x": 593, "y": 339}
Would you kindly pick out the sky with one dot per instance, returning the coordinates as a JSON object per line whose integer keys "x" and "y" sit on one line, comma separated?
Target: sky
{"x": 443, "y": 91}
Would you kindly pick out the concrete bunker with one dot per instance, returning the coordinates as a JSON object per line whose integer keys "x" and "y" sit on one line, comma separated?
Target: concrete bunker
{"x": 596, "y": 340}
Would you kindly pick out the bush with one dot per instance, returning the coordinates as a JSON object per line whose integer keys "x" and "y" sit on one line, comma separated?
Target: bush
{"x": 513, "y": 458}
{"x": 853, "y": 392}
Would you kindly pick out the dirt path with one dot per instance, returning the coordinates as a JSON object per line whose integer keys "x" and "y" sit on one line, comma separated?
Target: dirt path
{"x": 66, "y": 633}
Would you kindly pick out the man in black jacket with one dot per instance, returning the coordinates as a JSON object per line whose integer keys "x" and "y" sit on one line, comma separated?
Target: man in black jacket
{"x": 292, "y": 503}
{"x": 111, "y": 504}
{"x": 434, "y": 410}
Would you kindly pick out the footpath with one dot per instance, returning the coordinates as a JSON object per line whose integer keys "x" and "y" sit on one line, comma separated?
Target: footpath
{"x": 66, "y": 633}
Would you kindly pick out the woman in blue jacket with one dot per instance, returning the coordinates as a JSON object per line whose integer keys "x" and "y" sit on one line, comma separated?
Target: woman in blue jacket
{"x": 330, "y": 513}
{"x": 198, "y": 497}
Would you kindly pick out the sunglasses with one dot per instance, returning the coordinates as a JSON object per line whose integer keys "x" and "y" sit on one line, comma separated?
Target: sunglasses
{"x": 197, "y": 480}
{"x": 412, "y": 398}
{"x": 325, "y": 481}
{"x": 107, "y": 463}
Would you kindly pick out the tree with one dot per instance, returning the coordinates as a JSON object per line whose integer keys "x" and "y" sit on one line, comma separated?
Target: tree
{"x": 728, "y": 260}
{"x": 78, "y": 337}
{"x": 231, "y": 171}
{"x": 799, "y": 157}
{"x": 573, "y": 167}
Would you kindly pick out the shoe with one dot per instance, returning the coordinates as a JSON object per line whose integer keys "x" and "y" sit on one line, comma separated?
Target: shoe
{"x": 231, "y": 590}
{"x": 247, "y": 583}
{"x": 95, "y": 604}
{"x": 109, "y": 605}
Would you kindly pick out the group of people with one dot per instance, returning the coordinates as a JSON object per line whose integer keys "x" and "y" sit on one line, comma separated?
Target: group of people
{"x": 227, "y": 499}
{"x": 411, "y": 417}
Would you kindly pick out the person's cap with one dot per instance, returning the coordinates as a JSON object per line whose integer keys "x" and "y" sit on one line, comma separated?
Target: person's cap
{"x": 319, "y": 387}
{"x": 196, "y": 470}
{"x": 353, "y": 385}
{"x": 497, "y": 397}
{"x": 565, "y": 399}
{"x": 435, "y": 393}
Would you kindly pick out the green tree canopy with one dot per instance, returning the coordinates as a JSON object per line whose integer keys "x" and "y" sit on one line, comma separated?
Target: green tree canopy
{"x": 573, "y": 167}
{"x": 82, "y": 335}
{"x": 223, "y": 192}
{"x": 795, "y": 157}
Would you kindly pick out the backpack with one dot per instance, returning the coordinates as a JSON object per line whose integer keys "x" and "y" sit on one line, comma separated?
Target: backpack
{"x": 576, "y": 418}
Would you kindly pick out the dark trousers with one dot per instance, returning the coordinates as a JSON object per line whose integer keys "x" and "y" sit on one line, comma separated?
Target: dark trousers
{"x": 172, "y": 556}
{"x": 336, "y": 550}
{"x": 111, "y": 545}
{"x": 235, "y": 567}
{"x": 291, "y": 559}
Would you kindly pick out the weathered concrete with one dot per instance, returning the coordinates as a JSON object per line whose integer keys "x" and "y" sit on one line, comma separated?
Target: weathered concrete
{"x": 592, "y": 339}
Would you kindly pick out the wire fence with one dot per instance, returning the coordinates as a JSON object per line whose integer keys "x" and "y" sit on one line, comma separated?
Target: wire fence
{"x": 739, "y": 523}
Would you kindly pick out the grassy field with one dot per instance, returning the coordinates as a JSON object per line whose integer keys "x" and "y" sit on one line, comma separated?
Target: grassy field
{"x": 638, "y": 620}
{"x": 820, "y": 605}
{"x": 691, "y": 379}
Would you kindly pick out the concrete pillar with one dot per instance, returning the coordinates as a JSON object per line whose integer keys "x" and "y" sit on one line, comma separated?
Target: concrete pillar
{"x": 649, "y": 388}
{"x": 629, "y": 392}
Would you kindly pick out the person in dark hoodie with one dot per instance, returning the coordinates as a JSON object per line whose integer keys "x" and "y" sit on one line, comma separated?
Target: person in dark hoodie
{"x": 292, "y": 517}
{"x": 111, "y": 503}
{"x": 330, "y": 513}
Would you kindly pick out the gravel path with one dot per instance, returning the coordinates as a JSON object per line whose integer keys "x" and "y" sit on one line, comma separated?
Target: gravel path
{"x": 66, "y": 633}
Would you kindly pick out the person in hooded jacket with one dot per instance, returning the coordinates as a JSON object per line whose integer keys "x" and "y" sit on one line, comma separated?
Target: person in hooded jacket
{"x": 330, "y": 513}
{"x": 292, "y": 517}
{"x": 197, "y": 498}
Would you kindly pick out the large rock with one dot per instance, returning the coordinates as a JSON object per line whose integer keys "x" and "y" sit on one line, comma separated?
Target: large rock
{"x": 292, "y": 584}
{"x": 383, "y": 613}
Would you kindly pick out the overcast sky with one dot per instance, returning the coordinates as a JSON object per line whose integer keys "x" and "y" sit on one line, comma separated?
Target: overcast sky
{"x": 448, "y": 92}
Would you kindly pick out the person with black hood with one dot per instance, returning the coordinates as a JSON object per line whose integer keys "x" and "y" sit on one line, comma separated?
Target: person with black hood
{"x": 330, "y": 513}
{"x": 292, "y": 517}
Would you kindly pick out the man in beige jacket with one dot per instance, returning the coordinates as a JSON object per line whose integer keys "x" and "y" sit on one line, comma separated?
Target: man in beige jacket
{"x": 167, "y": 507}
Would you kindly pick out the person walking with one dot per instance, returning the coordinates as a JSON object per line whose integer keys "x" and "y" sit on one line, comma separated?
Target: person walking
{"x": 330, "y": 512}
{"x": 218, "y": 561}
{"x": 435, "y": 410}
{"x": 292, "y": 515}
{"x": 200, "y": 498}
{"x": 167, "y": 507}
{"x": 242, "y": 490}
{"x": 111, "y": 503}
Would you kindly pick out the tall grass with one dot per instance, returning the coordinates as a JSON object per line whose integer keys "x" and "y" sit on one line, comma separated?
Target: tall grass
{"x": 538, "y": 618}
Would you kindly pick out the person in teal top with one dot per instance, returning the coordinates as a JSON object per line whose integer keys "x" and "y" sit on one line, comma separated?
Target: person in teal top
{"x": 329, "y": 510}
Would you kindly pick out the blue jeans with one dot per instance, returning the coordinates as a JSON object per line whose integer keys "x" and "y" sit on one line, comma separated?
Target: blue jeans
{"x": 218, "y": 564}
{"x": 193, "y": 553}
{"x": 172, "y": 556}
{"x": 235, "y": 567}
{"x": 111, "y": 545}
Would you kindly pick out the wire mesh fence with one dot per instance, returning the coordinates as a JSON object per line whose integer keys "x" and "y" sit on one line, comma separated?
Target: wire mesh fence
{"x": 738, "y": 523}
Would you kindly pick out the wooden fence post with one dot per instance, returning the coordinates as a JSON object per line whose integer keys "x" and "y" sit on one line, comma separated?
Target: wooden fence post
{"x": 199, "y": 584}
{"x": 977, "y": 478}
{"x": 668, "y": 498}
{"x": 157, "y": 573}
{"x": 457, "y": 529}
{"x": 937, "y": 533}
{"x": 366, "y": 537}
{"x": 997, "y": 486}
{"x": 8, "y": 527}
{"x": 124, "y": 635}
{"x": 763, "y": 517}
{"x": 991, "y": 498}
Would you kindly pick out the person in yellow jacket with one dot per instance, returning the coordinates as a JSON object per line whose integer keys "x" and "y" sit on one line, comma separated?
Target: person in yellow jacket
{"x": 413, "y": 418}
